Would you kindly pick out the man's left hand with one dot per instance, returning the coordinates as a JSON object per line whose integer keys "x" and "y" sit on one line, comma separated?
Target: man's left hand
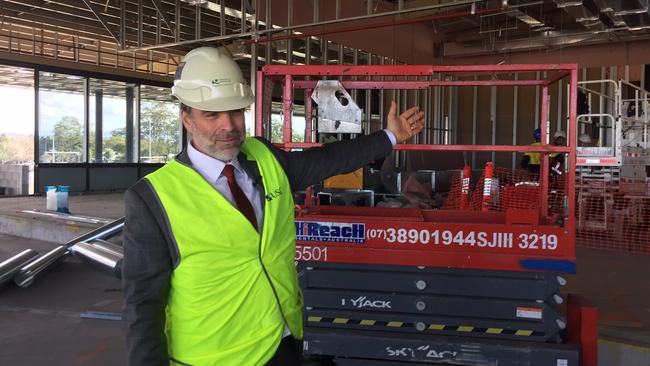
{"x": 407, "y": 124}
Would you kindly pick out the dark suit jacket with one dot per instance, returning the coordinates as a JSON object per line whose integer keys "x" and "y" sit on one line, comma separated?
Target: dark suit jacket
{"x": 150, "y": 254}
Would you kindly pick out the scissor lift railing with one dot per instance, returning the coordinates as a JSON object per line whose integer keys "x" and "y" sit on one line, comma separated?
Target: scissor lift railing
{"x": 618, "y": 128}
{"x": 512, "y": 240}
{"x": 370, "y": 274}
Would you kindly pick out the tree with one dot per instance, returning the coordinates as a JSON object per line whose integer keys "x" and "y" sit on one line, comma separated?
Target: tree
{"x": 115, "y": 146}
{"x": 277, "y": 130}
{"x": 4, "y": 149}
{"x": 160, "y": 130}
{"x": 66, "y": 143}
{"x": 16, "y": 149}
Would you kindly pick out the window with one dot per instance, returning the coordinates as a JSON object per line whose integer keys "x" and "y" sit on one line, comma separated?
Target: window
{"x": 112, "y": 113}
{"x": 160, "y": 125}
{"x": 16, "y": 130}
{"x": 17, "y": 104}
{"x": 297, "y": 123}
{"x": 61, "y": 118}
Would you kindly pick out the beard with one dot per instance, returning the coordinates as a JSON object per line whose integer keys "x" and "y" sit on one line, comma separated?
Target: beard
{"x": 219, "y": 146}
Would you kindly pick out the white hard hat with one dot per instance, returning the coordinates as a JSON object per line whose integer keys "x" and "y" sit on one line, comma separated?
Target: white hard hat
{"x": 559, "y": 134}
{"x": 584, "y": 138}
{"x": 210, "y": 80}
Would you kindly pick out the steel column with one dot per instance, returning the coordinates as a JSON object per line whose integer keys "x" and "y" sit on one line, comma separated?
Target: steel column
{"x": 222, "y": 18}
{"x": 308, "y": 116}
{"x": 602, "y": 108}
{"x": 287, "y": 102}
{"x": 515, "y": 112}
{"x": 368, "y": 106}
{"x": 177, "y": 21}
{"x": 573, "y": 96}
{"x": 428, "y": 113}
{"x": 197, "y": 21}
{"x": 544, "y": 171}
{"x": 537, "y": 75}
{"x": 474, "y": 117}
{"x": 122, "y": 33}
{"x": 129, "y": 124}
{"x": 253, "y": 75}
{"x": 99, "y": 114}
{"x": 493, "y": 117}
{"x": 37, "y": 145}
{"x": 259, "y": 86}
{"x": 559, "y": 106}
{"x": 290, "y": 32}
{"x": 140, "y": 11}
{"x": 137, "y": 128}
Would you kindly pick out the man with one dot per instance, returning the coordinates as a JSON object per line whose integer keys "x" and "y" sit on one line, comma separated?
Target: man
{"x": 557, "y": 159}
{"x": 209, "y": 241}
{"x": 532, "y": 160}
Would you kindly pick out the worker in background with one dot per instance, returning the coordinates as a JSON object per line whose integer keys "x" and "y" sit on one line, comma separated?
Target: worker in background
{"x": 209, "y": 241}
{"x": 531, "y": 160}
{"x": 557, "y": 159}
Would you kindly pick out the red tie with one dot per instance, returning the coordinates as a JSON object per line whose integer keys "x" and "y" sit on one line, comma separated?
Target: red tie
{"x": 242, "y": 202}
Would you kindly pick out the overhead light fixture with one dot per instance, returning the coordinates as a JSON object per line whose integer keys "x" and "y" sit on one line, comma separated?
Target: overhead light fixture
{"x": 587, "y": 19}
{"x": 566, "y": 4}
{"x": 472, "y": 9}
{"x": 542, "y": 29}
{"x": 195, "y": 2}
{"x": 526, "y": 18}
{"x": 640, "y": 10}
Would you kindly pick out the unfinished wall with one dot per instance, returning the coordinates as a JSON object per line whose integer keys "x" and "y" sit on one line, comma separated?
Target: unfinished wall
{"x": 15, "y": 179}
{"x": 528, "y": 110}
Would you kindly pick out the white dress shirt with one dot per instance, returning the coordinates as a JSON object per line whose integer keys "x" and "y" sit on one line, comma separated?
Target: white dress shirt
{"x": 211, "y": 168}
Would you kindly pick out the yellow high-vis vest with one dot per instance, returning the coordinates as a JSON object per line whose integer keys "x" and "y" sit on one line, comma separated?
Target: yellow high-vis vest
{"x": 535, "y": 157}
{"x": 234, "y": 289}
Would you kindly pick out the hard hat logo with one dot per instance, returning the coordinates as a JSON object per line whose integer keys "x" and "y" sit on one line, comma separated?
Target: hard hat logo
{"x": 224, "y": 81}
{"x": 209, "y": 79}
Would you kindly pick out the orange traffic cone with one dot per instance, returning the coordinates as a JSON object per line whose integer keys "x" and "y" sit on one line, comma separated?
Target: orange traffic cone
{"x": 487, "y": 186}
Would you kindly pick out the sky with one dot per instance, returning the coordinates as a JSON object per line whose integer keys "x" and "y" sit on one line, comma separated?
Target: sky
{"x": 17, "y": 105}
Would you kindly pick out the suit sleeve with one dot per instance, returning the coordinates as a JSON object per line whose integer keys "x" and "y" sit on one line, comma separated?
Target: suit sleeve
{"x": 311, "y": 166}
{"x": 146, "y": 272}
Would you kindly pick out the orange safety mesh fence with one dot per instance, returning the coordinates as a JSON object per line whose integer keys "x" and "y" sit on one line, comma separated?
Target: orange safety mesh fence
{"x": 508, "y": 189}
{"x": 613, "y": 216}
{"x": 609, "y": 215}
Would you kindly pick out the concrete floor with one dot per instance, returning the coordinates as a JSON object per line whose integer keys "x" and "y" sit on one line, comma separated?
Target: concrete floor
{"x": 106, "y": 205}
{"x": 618, "y": 285}
{"x": 42, "y": 324}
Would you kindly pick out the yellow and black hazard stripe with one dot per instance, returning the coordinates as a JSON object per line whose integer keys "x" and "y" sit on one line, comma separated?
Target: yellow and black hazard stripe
{"x": 428, "y": 327}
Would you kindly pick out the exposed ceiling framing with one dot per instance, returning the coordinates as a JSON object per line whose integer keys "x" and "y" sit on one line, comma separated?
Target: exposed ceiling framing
{"x": 151, "y": 35}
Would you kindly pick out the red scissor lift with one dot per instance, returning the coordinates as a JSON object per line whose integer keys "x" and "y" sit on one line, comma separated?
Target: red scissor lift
{"x": 453, "y": 286}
